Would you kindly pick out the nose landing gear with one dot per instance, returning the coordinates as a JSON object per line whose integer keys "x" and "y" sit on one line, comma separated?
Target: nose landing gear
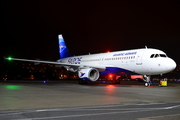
{"x": 147, "y": 80}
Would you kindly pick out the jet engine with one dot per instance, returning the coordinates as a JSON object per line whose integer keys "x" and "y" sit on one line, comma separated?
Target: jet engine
{"x": 88, "y": 74}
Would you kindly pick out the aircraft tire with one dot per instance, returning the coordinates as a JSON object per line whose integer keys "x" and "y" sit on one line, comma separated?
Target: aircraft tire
{"x": 118, "y": 82}
{"x": 115, "y": 81}
{"x": 147, "y": 84}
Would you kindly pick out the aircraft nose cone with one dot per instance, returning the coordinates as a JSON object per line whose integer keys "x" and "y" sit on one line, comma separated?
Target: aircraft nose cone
{"x": 172, "y": 65}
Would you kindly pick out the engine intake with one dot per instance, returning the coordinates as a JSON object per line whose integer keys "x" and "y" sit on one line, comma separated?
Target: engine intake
{"x": 88, "y": 74}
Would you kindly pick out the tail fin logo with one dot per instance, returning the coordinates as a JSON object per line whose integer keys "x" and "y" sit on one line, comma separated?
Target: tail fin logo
{"x": 63, "y": 51}
{"x": 62, "y": 48}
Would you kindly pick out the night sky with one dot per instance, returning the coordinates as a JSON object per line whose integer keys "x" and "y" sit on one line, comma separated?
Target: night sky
{"x": 29, "y": 28}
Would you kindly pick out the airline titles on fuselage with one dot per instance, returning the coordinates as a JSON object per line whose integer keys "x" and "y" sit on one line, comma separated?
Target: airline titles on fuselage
{"x": 122, "y": 54}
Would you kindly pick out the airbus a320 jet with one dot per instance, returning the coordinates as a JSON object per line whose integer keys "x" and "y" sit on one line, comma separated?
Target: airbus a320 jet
{"x": 145, "y": 61}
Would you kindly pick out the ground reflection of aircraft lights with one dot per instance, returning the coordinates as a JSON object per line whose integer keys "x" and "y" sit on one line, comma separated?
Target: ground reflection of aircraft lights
{"x": 110, "y": 88}
{"x": 110, "y": 94}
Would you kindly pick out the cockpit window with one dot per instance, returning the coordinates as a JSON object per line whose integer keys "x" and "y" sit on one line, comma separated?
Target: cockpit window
{"x": 162, "y": 55}
{"x": 152, "y": 56}
{"x": 157, "y": 55}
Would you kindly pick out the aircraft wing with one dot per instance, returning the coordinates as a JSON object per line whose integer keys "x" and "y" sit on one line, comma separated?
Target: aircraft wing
{"x": 56, "y": 63}
{"x": 40, "y": 61}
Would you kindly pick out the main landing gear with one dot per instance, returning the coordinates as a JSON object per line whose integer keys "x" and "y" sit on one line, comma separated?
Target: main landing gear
{"x": 147, "y": 80}
{"x": 118, "y": 81}
{"x": 82, "y": 81}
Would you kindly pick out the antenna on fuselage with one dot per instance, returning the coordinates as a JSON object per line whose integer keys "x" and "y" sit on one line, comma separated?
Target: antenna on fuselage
{"x": 146, "y": 47}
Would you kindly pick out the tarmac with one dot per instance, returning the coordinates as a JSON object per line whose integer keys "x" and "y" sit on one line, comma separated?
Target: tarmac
{"x": 66, "y": 99}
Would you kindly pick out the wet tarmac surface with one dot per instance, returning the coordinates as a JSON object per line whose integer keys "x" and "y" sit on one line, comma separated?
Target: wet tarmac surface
{"x": 69, "y": 100}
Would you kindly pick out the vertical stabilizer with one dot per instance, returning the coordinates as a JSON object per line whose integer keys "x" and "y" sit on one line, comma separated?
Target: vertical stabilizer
{"x": 63, "y": 51}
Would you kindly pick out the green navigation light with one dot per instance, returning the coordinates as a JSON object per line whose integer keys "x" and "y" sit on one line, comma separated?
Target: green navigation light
{"x": 9, "y": 58}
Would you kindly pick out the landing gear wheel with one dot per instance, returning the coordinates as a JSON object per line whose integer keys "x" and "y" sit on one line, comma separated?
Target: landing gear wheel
{"x": 147, "y": 84}
{"x": 113, "y": 82}
{"x": 116, "y": 82}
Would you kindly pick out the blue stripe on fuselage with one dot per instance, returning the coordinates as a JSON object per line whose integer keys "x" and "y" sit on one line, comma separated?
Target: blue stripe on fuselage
{"x": 118, "y": 71}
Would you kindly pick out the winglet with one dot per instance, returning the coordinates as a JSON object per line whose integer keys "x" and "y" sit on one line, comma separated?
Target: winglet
{"x": 63, "y": 51}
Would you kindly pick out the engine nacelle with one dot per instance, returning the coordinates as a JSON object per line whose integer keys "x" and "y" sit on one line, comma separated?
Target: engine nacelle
{"x": 88, "y": 74}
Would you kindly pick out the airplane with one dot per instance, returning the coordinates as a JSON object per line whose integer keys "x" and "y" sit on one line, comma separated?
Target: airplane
{"x": 144, "y": 61}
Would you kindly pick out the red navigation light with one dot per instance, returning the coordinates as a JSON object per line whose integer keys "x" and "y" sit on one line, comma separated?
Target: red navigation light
{"x": 108, "y": 51}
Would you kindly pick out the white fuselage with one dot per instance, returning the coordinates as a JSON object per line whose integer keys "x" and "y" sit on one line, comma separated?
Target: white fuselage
{"x": 137, "y": 61}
